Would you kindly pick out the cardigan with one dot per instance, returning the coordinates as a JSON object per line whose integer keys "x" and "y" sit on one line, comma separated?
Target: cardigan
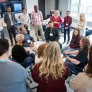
{"x": 81, "y": 83}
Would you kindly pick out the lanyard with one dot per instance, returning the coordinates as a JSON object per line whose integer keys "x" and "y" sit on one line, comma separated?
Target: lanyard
{"x": 3, "y": 61}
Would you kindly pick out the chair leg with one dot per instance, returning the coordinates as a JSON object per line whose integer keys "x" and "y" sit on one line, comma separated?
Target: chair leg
{"x": 29, "y": 80}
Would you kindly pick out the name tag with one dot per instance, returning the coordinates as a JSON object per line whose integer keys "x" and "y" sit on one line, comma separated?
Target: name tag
{"x": 28, "y": 41}
{"x": 66, "y": 24}
{"x": 51, "y": 34}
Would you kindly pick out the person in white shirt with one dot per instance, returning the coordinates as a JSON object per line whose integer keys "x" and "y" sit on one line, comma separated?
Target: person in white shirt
{"x": 82, "y": 24}
{"x": 24, "y": 18}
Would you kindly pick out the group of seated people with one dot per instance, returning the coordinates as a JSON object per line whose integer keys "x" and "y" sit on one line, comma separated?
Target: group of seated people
{"x": 24, "y": 54}
{"x": 50, "y": 71}
{"x": 48, "y": 68}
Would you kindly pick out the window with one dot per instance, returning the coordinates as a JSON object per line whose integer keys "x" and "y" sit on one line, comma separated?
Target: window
{"x": 74, "y": 7}
{"x": 86, "y": 8}
{"x": 81, "y": 6}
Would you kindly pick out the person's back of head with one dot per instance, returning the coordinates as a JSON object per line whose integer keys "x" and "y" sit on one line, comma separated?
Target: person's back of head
{"x": 52, "y": 64}
{"x": 40, "y": 50}
{"x": 4, "y": 46}
{"x": 89, "y": 66}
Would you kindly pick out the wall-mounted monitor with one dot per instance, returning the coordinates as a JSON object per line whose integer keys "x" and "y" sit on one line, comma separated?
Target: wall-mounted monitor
{"x": 17, "y": 7}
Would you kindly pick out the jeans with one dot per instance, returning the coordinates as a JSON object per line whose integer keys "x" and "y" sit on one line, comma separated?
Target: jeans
{"x": 29, "y": 61}
{"x": 65, "y": 48}
{"x": 72, "y": 68}
{"x": 88, "y": 32}
{"x": 67, "y": 31}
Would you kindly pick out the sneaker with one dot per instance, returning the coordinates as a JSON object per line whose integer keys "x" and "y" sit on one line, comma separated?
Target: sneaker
{"x": 67, "y": 42}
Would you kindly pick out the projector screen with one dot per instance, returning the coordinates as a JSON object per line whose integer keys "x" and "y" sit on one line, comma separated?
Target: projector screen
{"x": 17, "y": 7}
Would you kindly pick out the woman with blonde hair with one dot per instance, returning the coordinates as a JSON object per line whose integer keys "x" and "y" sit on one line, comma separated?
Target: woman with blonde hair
{"x": 57, "y": 20}
{"x": 82, "y": 24}
{"x": 50, "y": 73}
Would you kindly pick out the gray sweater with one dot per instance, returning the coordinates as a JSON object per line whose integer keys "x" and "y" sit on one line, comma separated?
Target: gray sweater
{"x": 12, "y": 77}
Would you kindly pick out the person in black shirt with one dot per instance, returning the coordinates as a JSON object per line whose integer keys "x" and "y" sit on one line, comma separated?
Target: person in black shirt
{"x": 77, "y": 63}
{"x": 20, "y": 55}
{"x": 51, "y": 33}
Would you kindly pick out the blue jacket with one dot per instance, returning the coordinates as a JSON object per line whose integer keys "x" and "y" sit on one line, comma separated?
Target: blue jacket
{"x": 27, "y": 40}
{"x": 12, "y": 77}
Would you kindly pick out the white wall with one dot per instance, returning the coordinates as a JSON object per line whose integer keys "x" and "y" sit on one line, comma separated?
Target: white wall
{"x": 49, "y": 5}
{"x": 63, "y": 6}
{"x": 30, "y": 5}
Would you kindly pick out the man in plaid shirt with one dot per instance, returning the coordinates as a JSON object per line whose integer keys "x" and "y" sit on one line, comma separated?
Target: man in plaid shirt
{"x": 37, "y": 19}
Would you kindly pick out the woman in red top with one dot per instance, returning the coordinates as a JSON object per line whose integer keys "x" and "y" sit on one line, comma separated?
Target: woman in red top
{"x": 56, "y": 19}
{"x": 50, "y": 73}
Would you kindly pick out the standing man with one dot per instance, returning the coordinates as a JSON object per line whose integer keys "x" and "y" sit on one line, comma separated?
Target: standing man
{"x": 9, "y": 19}
{"x": 37, "y": 19}
{"x": 67, "y": 24}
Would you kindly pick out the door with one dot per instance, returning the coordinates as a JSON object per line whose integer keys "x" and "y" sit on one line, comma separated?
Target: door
{"x": 41, "y": 4}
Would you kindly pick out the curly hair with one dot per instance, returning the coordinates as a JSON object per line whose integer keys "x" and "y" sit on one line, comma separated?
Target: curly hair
{"x": 52, "y": 64}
